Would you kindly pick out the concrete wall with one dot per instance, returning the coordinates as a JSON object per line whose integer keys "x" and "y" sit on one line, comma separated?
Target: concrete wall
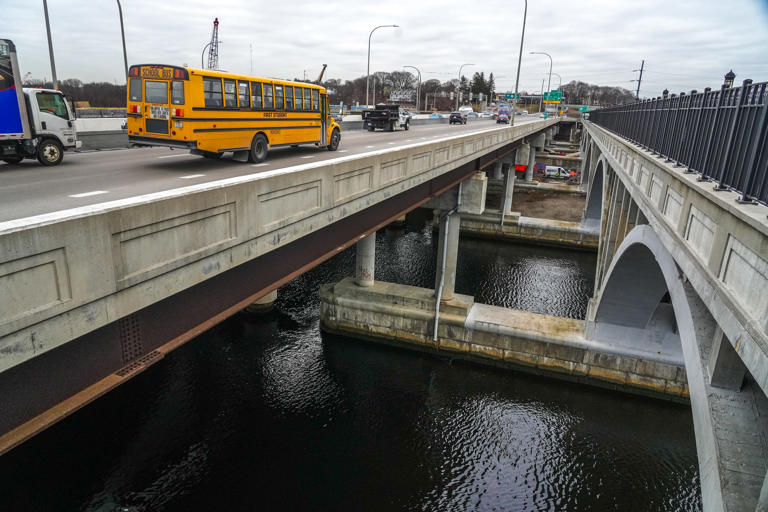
{"x": 404, "y": 315}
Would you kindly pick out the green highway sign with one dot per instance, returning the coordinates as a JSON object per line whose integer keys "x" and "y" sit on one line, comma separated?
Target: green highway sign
{"x": 553, "y": 96}
{"x": 511, "y": 96}
{"x": 584, "y": 109}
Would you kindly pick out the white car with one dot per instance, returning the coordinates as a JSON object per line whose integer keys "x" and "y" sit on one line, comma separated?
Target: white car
{"x": 553, "y": 171}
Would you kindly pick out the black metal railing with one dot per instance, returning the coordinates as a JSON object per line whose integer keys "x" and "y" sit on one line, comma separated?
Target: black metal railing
{"x": 722, "y": 135}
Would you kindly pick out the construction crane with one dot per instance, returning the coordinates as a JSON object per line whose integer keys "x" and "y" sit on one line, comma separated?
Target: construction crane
{"x": 213, "y": 50}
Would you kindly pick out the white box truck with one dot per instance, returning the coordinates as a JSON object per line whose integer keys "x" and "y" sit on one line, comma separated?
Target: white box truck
{"x": 34, "y": 123}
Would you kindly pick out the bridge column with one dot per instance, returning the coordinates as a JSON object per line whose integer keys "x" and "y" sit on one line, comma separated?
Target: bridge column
{"x": 497, "y": 170}
{"x": 535, "y": 143}
{"x": 726, "y": 369}
{"x": 447, "y": 254}
{"x": 264, "y": 304}
{"x": 509, "y": 187}
{"x": 365, "y": 261}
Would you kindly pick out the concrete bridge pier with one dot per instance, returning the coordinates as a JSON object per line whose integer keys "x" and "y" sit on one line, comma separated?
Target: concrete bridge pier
{"x": 509, "y": 188}
{"x": 264, "y": 304}
{"x": 497, "y": 175}
{"x": 365, "y": 262}
{"x": 447, "y": 254}
{"x": 534, "y": 144}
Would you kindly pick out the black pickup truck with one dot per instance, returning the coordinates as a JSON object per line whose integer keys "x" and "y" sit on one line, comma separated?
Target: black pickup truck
{"x": 386, "y": 117}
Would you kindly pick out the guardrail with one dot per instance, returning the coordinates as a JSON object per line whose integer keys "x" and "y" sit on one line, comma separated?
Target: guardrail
{"x": 721, "y": 135}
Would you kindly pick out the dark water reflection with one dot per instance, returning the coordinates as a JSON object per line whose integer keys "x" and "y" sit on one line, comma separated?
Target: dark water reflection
{"x": 267, "y": 413}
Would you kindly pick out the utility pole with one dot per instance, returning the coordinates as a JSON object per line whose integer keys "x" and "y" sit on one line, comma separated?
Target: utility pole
{"x": 541, "y": 98}
{"x": 50, "y": 45}
{"x": 642, "y": 65}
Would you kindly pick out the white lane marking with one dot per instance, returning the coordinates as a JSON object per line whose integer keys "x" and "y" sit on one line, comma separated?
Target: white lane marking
{"x": 174, "y": 156}
{"x": 408, "y": 140}
{"x": 259, "y": 165}
{"x": 308, "y": 156}
{"x": 93, "y": 193}
{"x": 370, "y": 146}
{"x": 423, "y": 138}
{"x": 191, "y": 176}
{"x": 391, "y": 143}
{"x": 343, "y": 150}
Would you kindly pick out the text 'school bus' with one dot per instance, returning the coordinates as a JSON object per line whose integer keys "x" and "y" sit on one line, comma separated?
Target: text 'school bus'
{"x": 210, "y": 112}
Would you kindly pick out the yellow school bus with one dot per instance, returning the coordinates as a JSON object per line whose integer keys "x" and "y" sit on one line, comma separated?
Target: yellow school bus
{"x": 211, "y": 112}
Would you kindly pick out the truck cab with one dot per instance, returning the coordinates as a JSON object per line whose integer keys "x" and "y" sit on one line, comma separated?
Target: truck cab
{"x": 35, "y": 123}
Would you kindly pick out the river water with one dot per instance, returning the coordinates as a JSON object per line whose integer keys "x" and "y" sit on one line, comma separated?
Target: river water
{"x": 267, "y": 413}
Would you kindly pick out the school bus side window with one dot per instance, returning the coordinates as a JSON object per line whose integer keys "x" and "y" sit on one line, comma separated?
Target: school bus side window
{"x": 298, "y": 98}
{"x": 230, "y": 95}
{"x": 279, "y": 97}
{"x": 245, "y": 98}
{"x": 268, "y": 96}
{"x": 289, "y": 98}
{"x": 256, "y": 94}
{"x": 212, "y": 92}
{"x": 315, "y": 101}
{"x": 307, "y": 100}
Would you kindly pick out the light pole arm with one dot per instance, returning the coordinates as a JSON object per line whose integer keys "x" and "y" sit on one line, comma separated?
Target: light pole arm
{"x": 368, "y": 68}
{"x": 202, "y": 56}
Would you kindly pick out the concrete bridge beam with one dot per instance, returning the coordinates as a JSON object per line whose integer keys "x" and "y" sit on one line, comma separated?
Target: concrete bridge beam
{"x": 726, "y": 369}
{"x": 365, "y": 260}
{"x": 509, "y": 188}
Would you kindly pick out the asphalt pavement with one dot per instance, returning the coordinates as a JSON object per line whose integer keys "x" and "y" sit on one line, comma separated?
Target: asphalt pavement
{"x": 28, "y": 189}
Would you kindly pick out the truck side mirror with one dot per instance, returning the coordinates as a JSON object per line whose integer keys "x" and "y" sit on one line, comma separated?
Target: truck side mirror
{"x": 71, "y": 108}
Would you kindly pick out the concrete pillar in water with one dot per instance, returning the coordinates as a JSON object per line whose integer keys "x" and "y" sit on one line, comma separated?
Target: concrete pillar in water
{"x": 264, "y": 304}
{"x": 366, "y": 260}
{"x": 509, "y": 188}
{"x": 449, "y": 236}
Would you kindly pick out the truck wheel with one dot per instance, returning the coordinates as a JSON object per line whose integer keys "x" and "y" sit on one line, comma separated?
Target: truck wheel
{"x": 335, "y": 139}
{"x": 371, "y": 128}
{"x": 407, "y": 125}
{"x": 12, "y": 159}
{"x": 258, "y": 148}
{"x": 391, "y": 127}
{"x": 50, "y": 152}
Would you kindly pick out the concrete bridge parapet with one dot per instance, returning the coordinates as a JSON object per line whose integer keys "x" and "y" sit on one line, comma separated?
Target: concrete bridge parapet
{"x": 682, "y": 272}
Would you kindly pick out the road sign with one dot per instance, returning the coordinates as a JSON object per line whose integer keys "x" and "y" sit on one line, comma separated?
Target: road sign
{"x": 553, "y": 96}
{"x": 584, "y": 109}
{"x": 511, "y": 96}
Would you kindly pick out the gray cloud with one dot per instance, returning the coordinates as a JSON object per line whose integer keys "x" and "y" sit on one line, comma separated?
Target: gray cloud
{"x": 686, "y": 44}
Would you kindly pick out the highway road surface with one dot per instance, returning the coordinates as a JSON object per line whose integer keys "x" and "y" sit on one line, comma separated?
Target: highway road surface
{"x": 28, "y": 189}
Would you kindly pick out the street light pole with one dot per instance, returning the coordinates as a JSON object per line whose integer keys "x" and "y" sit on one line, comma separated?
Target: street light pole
{"x": 520, "y": 56}
{"x": 122, "y": 32}
{"x": 368, "y": 71}
{"x": 202, "y": 57}
{"x": 559, "y": 80}
{"x": 459, "y": 84}
{"x": 549, "y": 82}
{"x": 418, "y": 87}
{"x": 50, "y": 45}
{"x": 542, "y": 94}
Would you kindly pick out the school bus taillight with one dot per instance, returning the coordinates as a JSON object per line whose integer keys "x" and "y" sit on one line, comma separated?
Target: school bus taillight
{"x": 178, "y": 112}
{"x": 134, "y": 109}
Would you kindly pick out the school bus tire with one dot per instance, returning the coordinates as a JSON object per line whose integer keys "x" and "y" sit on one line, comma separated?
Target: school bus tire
{"x": 335, "y": 140}
{"x": 259, "y": 148}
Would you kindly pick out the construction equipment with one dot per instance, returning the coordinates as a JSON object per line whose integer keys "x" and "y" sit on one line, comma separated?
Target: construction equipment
{"x": 213, "y": 49}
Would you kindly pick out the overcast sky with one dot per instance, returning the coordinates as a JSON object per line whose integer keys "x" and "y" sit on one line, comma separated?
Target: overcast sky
{"x": 686, "y": 44}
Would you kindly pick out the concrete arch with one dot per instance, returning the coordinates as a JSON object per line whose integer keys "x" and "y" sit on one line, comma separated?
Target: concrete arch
{"x": 594, "y": 208}
{"x": 630, "y": 315}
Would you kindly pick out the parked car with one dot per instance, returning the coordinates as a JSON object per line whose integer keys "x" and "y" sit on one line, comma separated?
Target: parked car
{"x": 457, "y": 117}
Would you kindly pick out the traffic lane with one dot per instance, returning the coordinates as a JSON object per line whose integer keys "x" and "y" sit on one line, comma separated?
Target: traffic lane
{"x": 92, "y": 178}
